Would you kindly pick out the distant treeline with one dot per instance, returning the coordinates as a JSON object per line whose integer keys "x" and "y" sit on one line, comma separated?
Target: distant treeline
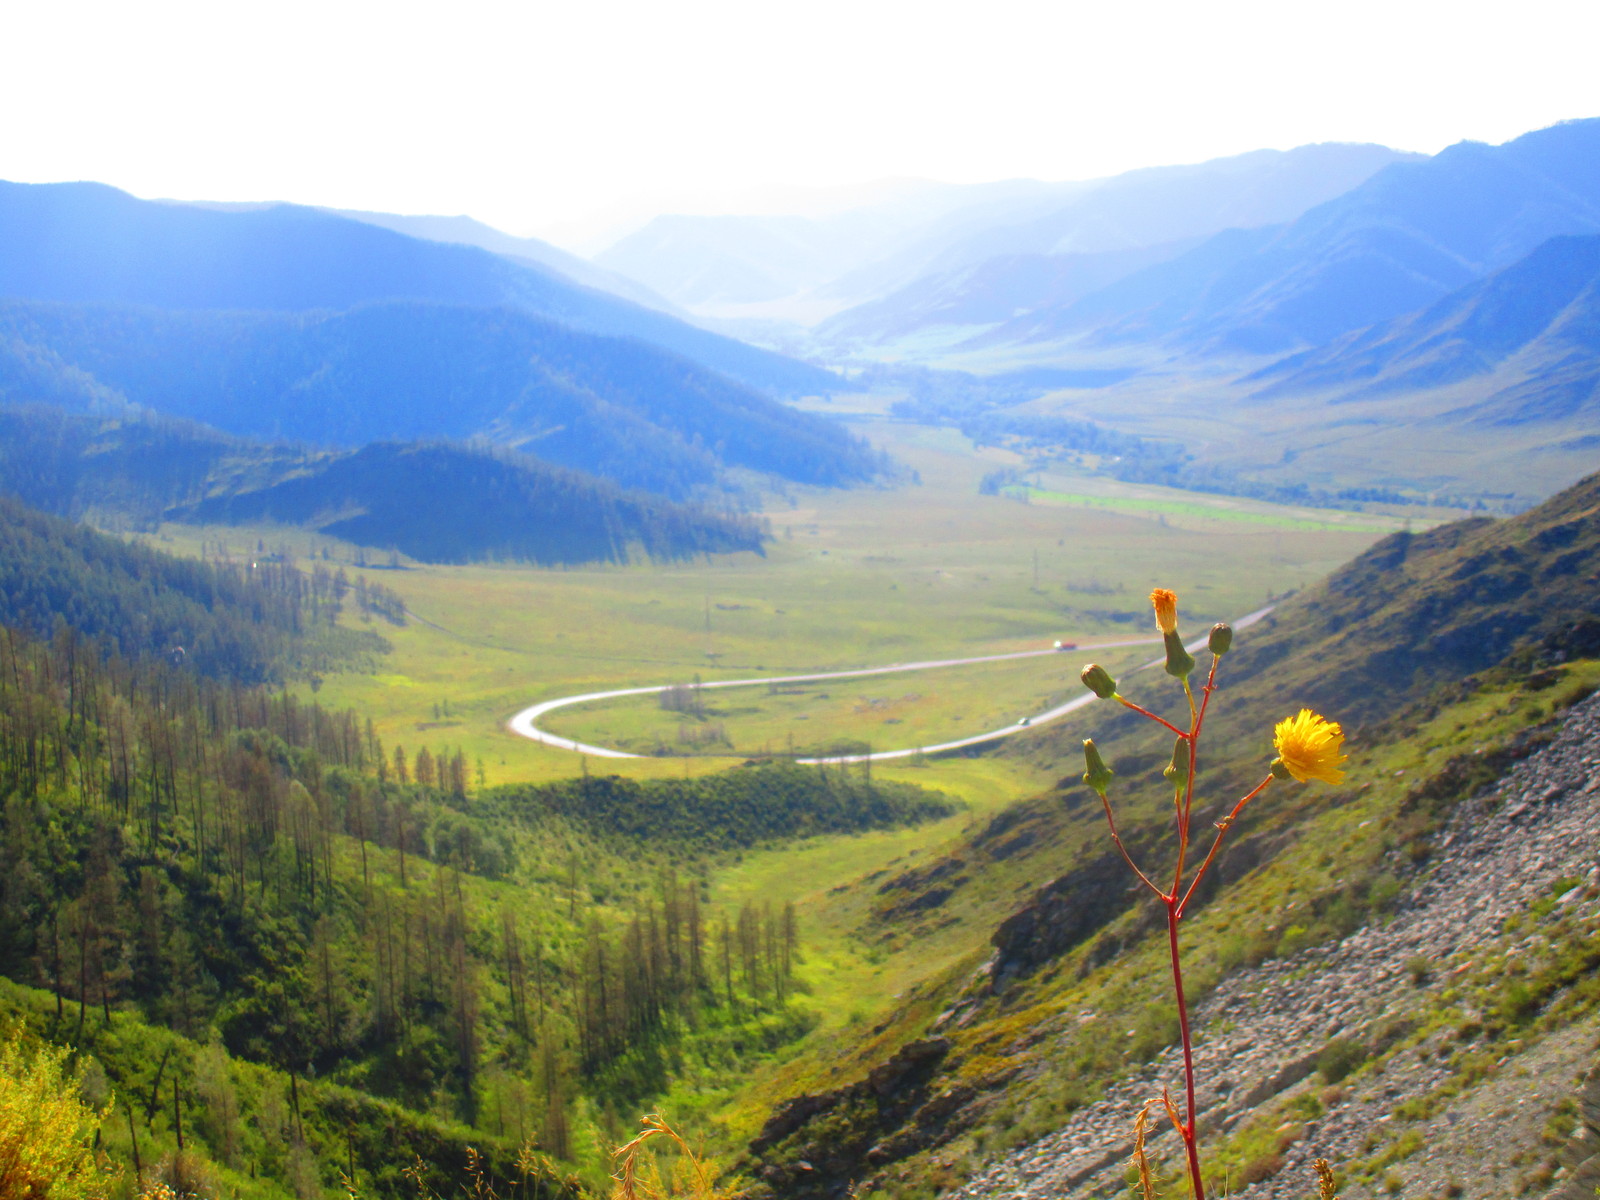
{"x": 251, "y": 623}
{"x": 454, "y": 504}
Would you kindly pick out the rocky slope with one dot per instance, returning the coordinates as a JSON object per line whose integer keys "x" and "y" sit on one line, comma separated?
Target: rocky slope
{"x": 1453, "y": 1093}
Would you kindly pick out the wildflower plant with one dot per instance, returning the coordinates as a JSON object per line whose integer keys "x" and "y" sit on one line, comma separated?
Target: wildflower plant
{"x": 1308, "y": 748}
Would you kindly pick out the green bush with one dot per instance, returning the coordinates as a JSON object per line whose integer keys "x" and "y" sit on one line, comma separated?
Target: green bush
{"x": 1339, "y": 1058}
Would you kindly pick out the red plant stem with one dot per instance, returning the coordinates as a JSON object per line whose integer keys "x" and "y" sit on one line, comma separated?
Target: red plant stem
{"x": 1190, "y": 1124}
{"x": 1222, "y": 831}
{"x": 1126, "y": 703}
{"x": 1117, "y": 838}
{"x": 1178, "y": 899}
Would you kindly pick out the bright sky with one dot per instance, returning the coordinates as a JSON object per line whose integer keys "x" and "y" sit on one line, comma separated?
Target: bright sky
{"x": 553, "y": 117}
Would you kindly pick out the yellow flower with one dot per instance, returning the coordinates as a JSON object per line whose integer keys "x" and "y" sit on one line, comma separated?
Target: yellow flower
{"x": 1310, "y": 747}
{"x": 1166, "y": 604}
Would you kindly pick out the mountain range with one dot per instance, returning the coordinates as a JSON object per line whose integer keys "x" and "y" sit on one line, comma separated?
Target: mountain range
{"x": 1411, "y": 233}
{"x": 1528, "y": 336}
{"x": 887, "y": 255}
{"x": 401, "y": 370}
{"x": 1260, "y": 255}
{"x": 87, "y": 243}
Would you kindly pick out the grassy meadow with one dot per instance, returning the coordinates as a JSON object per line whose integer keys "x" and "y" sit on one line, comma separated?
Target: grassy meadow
{"x": 851, "y": 579}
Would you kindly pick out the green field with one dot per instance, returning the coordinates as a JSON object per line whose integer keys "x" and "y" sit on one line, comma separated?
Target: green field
{"x": 1191, "y": 510}
{"x": 900, "y": 711}
{"x": 851, "y": 579}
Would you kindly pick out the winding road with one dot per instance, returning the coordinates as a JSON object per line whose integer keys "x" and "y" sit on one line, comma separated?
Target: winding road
{"x": 525, "y": 723}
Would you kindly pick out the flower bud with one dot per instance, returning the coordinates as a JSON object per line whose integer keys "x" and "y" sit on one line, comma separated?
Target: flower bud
{"x": 1166, "y": 605}
{"x": 1221, "y": 639}
{"x": 1177, "y": 771}
{"x": 1098, "y": 776}
{"x": 1098, "y": 680}
{"x": 1179, "y": 661}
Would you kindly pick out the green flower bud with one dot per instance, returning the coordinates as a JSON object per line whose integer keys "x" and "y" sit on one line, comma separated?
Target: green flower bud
{"x": 1280, "y": 769}
{"x": 1098, "y": 681}
{"x": 1179, "y": 661}
{"x": 1177, "y": 771}
{"x": 1098, "y": 776}
{"x": 1220, "y": 640}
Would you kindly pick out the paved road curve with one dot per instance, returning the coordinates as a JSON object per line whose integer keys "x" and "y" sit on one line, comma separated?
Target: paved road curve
{"x": 525, "y": 722}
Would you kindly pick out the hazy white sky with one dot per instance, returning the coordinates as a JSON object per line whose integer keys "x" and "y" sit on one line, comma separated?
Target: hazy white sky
{"x": 547, "y": 118}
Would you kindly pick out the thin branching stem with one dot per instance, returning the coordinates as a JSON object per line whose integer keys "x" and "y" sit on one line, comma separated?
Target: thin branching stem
{"x": 1222, "y": 831}
{"x": 1117, "y": 838}
{"x": 1177, "y": 900}
{"x": 1126, "y": 703}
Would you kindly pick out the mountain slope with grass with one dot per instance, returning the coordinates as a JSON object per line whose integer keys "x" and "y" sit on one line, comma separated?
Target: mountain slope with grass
{"x": 85, "y": 243}
{"x": 295, "y": 954}
{"x": 250, "y": 624}
{"x": 405, "y": 370}
{"x": 1451, "y": 657}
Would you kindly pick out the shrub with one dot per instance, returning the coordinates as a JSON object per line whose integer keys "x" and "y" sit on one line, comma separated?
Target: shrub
{"x": 1340, "y": 1057}
{"x": 45, "y": 1129}
{"x": 1260, "y": 1169}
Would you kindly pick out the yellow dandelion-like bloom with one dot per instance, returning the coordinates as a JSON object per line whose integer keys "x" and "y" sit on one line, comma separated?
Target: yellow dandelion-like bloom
{"x": 1166, "y": 604}
{"x": 1310, "y": 747}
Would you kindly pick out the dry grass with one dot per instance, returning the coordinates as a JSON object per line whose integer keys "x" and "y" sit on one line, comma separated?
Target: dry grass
{"x": 639, "y": 1175}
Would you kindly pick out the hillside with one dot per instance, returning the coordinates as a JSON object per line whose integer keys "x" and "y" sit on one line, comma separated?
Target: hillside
{"x": 85, "y": 243}
{"x": 1451, "y": 657}
{"x": 226, "y": 621}
{"x": 404, "y": 370}
{"x": 1412, "y": 233}
{"x": 1528, "y": 335}
{"x": 453, "y": 504}
{"x": 323, "y": 956}
{"x": 991, "y": 292}
{"x": 433, "y": 501}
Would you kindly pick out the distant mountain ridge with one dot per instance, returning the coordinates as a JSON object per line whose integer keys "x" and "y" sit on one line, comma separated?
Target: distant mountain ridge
{"x": 1156, "y": 206}
{"x": 390, "y": 371}
{"x": 1534, "y": 328}
{"x": 1409, "y": 235}
{"x": 465, "y": 231}
{"x": 89, "y": 243}
{"x": 433, "y": 501}
{"x": 891, "y": 260}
